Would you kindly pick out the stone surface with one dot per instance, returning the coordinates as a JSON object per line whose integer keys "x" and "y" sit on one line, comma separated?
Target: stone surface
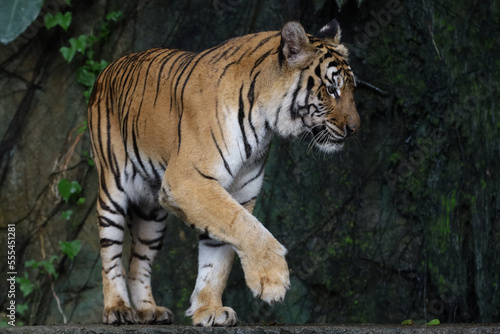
{"x": 404, "y": 223}
{"x": 299, "y": 329}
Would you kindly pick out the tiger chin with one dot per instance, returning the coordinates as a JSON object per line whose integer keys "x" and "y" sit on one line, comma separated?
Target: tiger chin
{"x": 188, "y": 133}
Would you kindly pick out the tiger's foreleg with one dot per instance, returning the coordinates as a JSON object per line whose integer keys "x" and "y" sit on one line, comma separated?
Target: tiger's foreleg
{"x": 203, "y": 203}
{"x": 214, "y": 266}
{"x": 148, "y": 227}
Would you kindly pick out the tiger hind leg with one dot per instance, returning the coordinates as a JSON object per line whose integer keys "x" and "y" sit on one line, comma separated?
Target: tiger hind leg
{"x": 111, "y": 214}
{"x": 148, "y": 227}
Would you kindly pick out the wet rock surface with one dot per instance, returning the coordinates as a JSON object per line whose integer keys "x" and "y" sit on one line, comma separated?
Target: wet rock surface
{"x": 299, "y": 329}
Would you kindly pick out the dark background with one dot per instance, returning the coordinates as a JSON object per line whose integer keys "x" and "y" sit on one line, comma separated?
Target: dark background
{"x": 403, "y": 224}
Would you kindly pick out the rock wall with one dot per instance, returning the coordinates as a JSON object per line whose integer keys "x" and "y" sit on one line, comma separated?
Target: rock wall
{"x": 404, "y": 223}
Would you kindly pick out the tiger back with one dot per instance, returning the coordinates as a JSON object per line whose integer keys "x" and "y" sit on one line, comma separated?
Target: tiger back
{"x": 188, "y": 133}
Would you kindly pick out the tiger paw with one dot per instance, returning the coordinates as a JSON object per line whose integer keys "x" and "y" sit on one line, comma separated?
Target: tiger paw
{"x": 157, "y": 315}
{"x": 214, "y": 316}
{"x": 119, "y": 315}
{"x": 266, "y": 273}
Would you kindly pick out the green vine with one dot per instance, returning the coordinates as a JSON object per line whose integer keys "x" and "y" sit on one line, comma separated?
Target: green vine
{"x": 29, "y": 284}
{"x": 84, "y": 44}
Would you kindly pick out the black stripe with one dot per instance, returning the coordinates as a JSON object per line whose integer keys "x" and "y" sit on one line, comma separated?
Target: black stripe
{"x": 116, "y": 172}
{"x": 262, "y": 42}
{"x": 135, "y": 71}
{"x": 105, "y": 207}
{"x": 163, "y": 64}
{"x": 163, "y": 229}
{"x": 205, "y": 175}
{"x": 251, "y": 98}
{"x": 141, "y": 257}
{"x": 108, "y": 270}
{"x": 99, "y": 133}
{"x": 214, "y": 245}
{"x": 277, "y": 116}
{"x": 255, "y": 177}
{"x": 105, "y": 242}
{"x": 116, "y": 205}
{"x": 310, "y": 83}
{"x": 317, "y": 71}
{"x": 260, "y": 60}
{"x": 136, "y": 151}
{"x": 179, "y": 133}
{"x": 106, "y": 222}
{"x": 160, "y": 52}
{"x": 150, "y": 242}
{"x": 217, "y": 58}
{"x": 157, "y": 177}
{"x": 181, "y": 102}
{"x": 241, "y": 118}
{"x": 117, "y": 256}
{"x": 224, "y": 72}
{"x": 295, "y": 111}
{"x": 222, "y": 155}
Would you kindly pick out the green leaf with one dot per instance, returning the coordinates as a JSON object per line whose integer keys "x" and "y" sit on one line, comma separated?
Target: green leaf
{"x": 21, "y": 308}
{"x": 81, "y": 201}
{"x": 16, "y": 16}
{"x": 64, "y": 187}
{"x": 49, "y": 267}
{"x": 85, "y": 77}
{"x": 433, "y": 322}
{"x": 64, "y": 20}
{"x": 83, "y": 128}
{"x": 70, "y": 248}
{"x": 68, "y": 190}
{"x": 114, "y": 16}
{"x": 67, "y": 214}
{"x": 25, "y": 285}
{"x": 408, "y": 322}
{"x": 50, "y": 21}
{"x": 87, "y": 94}
{"x": 80, "y": 43}
{"x": 68, "y": 53}
{"x": 31, "y": 264}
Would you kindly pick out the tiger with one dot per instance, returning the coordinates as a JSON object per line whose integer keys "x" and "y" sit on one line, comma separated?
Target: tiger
{"x": 188, "y": 134}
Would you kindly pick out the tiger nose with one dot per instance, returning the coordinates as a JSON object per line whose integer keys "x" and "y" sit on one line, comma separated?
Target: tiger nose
{"x": 350, "y": 129}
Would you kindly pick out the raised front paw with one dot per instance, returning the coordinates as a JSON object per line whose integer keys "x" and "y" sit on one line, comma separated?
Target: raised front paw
{"x": 214, "y": 316}
{"x": 119, "y": 315}
{"x": 156, "y": 315}
{"x": 266, "y": 272}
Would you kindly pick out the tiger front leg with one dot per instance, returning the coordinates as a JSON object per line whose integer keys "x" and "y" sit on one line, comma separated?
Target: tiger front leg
{"x": 214, "y": 265}
{"x": 215, "y": 261}
{"x": 204, "y": 204}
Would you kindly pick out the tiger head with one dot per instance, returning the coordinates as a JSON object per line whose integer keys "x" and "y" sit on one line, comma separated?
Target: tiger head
{"x": 320, "y": 95}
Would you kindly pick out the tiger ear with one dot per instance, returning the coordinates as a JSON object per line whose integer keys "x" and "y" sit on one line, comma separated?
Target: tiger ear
{"x": 331, "y": 32}
{"x": 295, "y": 44}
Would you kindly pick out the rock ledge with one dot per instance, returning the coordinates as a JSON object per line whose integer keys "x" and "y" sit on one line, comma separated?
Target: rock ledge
{"x": 288, "y": 329}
